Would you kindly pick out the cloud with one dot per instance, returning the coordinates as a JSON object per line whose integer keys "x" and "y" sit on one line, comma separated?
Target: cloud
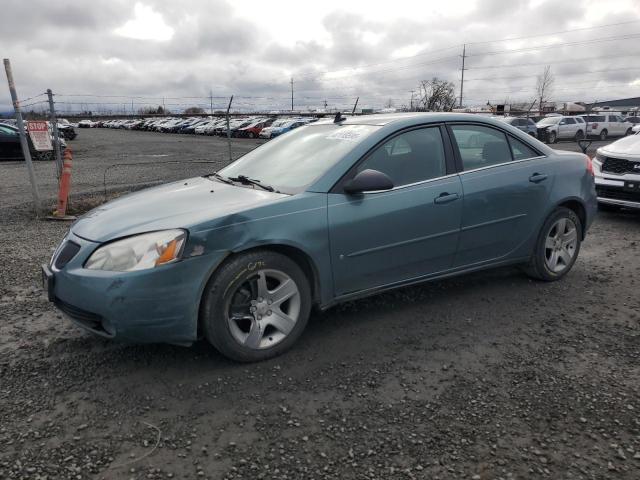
{"x": 146, "y": 25}
{"x": 334, "y": 50}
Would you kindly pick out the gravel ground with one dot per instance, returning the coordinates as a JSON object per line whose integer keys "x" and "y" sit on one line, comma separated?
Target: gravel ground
{"x": 486, "y": 376}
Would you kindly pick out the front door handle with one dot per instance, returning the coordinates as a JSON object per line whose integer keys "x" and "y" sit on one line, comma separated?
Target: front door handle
{"x": 537, "y": 178}
{"x": 446, "y": 197}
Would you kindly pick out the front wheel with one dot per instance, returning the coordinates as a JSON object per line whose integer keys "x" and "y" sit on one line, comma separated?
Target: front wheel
{"x": 552, "y": 137}
{"x": 628, "y": 132}
{"x": 557, "y": 246}
{"x": 256, "y": 306}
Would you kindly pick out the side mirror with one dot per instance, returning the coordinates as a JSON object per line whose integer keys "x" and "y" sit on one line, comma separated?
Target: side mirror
{"x": 368, "y": 181}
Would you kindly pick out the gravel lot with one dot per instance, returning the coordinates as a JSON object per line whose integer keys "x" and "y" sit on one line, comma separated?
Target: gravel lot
{"x": 486, "y": 376}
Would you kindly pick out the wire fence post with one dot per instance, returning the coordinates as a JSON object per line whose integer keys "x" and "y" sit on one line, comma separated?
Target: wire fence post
{"x": 228, "y": 130}
{"x": 23, "y": 137}
{"x": 56, "y": 134}
{"x": 353, "y": 112}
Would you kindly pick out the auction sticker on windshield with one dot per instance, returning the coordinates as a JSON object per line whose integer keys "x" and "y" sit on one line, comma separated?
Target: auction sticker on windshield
{"x": 39, "y": 134}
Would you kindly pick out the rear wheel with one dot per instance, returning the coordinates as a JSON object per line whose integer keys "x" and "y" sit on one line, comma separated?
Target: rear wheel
{"x": 256, "y": 306}
{"x": 628, "y": 132}
{"x": 603, "y": 134}
{"x": 251, "y": 135}
{"x": 579, "y": 135}
{"x": 557, "y": 246}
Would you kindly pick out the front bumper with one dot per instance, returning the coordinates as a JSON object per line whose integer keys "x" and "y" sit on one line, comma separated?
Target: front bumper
{"x": 613, "y": 189}
{"x": 147, "y": 306}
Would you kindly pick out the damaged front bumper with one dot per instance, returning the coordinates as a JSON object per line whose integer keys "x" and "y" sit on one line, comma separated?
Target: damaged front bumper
{"x": 146, "y": 306}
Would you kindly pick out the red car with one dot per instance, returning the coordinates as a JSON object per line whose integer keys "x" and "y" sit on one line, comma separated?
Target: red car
{"x": 253, "y": 130}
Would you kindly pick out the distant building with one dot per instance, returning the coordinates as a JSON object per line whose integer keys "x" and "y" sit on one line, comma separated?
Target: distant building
{"x": 626, "y": 106}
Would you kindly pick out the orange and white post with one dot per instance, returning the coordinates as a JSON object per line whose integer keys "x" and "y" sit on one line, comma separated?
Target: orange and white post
{"x": 65, "y": 183}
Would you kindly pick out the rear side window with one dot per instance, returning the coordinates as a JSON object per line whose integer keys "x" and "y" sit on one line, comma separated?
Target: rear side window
{"x": 569, "y": 121}
{"x": 520, "y": 150}
{"x": 481, "y": 146}
{"x": 579, "y": 120}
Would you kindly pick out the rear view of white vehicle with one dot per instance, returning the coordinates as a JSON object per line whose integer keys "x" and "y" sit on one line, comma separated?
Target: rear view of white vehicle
{"x": 617, "y": 173}
{"x": 603, "y": 125}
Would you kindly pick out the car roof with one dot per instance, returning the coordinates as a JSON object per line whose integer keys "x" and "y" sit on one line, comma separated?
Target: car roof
{"x": 408, "y": 119}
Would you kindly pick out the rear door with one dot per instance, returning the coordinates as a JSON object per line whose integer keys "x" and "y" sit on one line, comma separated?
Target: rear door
{"x": 506, "y": 185}
{"x": 408, "y": 232}
{"x": 567, "y": 128}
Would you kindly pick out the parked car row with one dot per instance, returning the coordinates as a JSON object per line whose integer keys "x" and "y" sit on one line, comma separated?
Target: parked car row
{"x": 577, "y": 127}
{"x": 239, "y": 127}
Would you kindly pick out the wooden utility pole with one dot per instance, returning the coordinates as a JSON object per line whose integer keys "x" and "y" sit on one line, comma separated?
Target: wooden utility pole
{"x": 464, "y": 54}
{"x": 292, "y": 94}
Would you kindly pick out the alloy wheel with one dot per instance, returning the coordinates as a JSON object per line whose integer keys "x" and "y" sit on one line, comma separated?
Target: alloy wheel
{"x": 560, "y": 245}
{"x": 264, "y": 309}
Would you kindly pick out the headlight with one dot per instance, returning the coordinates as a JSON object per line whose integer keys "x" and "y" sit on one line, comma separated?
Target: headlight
{"x": 599, "y": 158}
{"x": 139, "y": 252}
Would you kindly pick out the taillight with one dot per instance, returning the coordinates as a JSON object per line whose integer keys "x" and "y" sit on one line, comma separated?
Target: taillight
{"x": 589, "y": 165}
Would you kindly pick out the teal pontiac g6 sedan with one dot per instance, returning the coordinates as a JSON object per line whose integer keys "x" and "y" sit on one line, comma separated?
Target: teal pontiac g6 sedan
{"x": 331, "y": 211}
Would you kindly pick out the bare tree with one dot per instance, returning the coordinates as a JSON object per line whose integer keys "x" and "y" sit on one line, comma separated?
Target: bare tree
{"x": 192, "y": 110}
{"x": 544, "y": 86}
{"x": 436, "y": 95}
{"x": 389, "y": 103}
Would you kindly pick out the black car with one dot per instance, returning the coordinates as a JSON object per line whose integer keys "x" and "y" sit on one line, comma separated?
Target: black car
{"x": 10, "y": 148}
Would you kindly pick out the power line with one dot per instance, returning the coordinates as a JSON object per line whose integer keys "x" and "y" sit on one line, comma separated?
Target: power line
{"x": 558, "y": 45}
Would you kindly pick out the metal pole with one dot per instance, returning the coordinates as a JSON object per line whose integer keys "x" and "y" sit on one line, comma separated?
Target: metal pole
{"x": 56, "y": 136}
{"x": 354, "y": 106}
{"x": 23, "y": 138}
{"x": 292, "y": 94}
{"x": 464, "y": 54}
{"x": 211, "y": 100}
{"x": 229, "y": 131}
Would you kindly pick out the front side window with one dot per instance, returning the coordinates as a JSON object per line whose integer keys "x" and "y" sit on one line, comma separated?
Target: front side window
{"x": 569, "y": 121}
{"x": 481, "y": 146}
{"x": 410, "y": 157}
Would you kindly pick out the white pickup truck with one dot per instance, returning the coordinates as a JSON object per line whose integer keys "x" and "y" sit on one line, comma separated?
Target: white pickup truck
{"x": 605, "y": 125}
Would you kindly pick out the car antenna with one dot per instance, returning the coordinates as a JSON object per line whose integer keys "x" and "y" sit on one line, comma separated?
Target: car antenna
{"x": 339, "y": 118}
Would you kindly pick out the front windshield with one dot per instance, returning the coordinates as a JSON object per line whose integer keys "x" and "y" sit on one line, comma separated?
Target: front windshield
{"x": 294, "y": 160}
{"x": 550, "y": 120}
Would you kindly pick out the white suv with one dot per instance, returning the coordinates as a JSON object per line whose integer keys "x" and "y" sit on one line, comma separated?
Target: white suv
{"x": 616, "y": 168}
{"x": 558, "y": 127}
{"x": 605, "y": 125}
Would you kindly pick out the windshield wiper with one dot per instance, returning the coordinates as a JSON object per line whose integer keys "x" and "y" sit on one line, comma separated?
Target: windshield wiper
{"x": 220, "y": 177}
{"x": 250, "y": 181}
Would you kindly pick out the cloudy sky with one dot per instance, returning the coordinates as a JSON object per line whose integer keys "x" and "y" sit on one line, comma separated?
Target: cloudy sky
{"x": 106, "y": 54}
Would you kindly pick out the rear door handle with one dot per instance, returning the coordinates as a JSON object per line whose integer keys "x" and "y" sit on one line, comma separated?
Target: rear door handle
{"x": 446, "y": 197}
{"x": 537, "y": 177}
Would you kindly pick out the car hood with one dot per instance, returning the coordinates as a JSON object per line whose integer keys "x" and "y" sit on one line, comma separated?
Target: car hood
{"x": 627, "y": 146}
{"x": 180, "y": 204}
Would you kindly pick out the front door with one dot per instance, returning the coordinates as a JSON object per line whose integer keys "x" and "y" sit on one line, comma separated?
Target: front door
{"x": 506, "y": 185}
{"x": 381, "y": 238}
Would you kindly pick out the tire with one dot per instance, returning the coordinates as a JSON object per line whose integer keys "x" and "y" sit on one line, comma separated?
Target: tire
{"x": 628, "y": 132}
{"x": 579, "y": 135}
{"x": 603, "y": 134}
{"x": 42, "y": 156}
{"x": 261, "y": 326}
{"x": 250, "y": 135}
{"x": 552, "y": 137}
{"x": 550, "y": 241}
